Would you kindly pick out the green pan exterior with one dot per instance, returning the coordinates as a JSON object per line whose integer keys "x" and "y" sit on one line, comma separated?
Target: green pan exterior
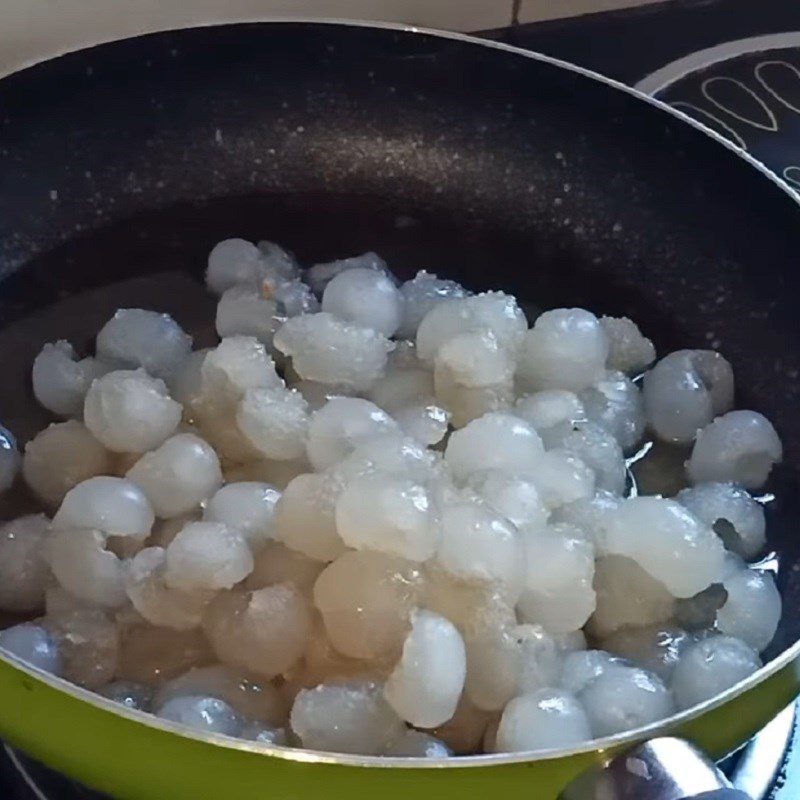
{"x": 126, "y": 757}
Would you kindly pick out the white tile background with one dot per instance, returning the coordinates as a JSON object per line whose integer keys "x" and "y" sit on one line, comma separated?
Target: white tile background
{"x": 532, "y": 10}
{"x": 34, "y": 29}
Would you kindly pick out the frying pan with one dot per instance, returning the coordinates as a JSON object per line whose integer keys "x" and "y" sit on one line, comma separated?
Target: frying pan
{"x": 121, "y": 165}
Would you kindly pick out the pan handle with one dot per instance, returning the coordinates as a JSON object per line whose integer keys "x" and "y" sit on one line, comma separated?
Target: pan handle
{"x": 660, "y": 769}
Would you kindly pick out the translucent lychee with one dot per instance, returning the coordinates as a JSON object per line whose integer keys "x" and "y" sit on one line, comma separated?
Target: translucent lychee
{"x": 329, "y": 350}
{"x": 417, "y": 744}
{"x": 187, "y": 384}
{"x": 236, "y": 364}
{"x": 60, "y": 457}
{"x": 275, "y": 422}
{"x": 625, "y": 698}
{"x": 135, "y": 337}
{"x": 425, "y": 685}
{"x": 84, "y": 567}
{"x": 420, "y": 295}
{"x": 305, "y": 518}
{"x": 679, "y": 550}
{"x": 464, "y": 731}
{"x": 276, "y": 563}
{"x": 512, "y": 495}
{"x": 388, "y": 514}
{"x": 494, "y": 441}
{"x": 600, "y": 451}
{"x": 581, "y": 668}
{"x": 245, "y": 693}
{"x": 615, "y": 403}
{"x": 562, "y": 478}
{"x": 551, "y": 412}
{"x": 505, "y": 662}
{"x": 137, "y": 696}
{"x": 207, "y": 714}
{"x": 178, "y": 475}
{"x": 263, "y": 631}
{"x": 60, "y": 381}
{"x": 234, "y": 262}
{"x": 154, "y": 600}
{"x": 151, "y": 654}
{"x": 207, "y": 555}
{"x": 493, "y": 311}
{"x": 340, "y": 425}
{"x": 629, "y": 350}
{"x": 566, "y": 349}
{"x": 130, "y": 412}
{"x": 10, "y": 459}
{"x": 627, "y": 595}
{"x": 366, "y": 599}
{"x": 477, "y": 544}
{"x": 657, "y": 648}
{"x": 542, "y": 720}
{"x": 711, "y": 666}
{"x": 264, "y": 734}
{"x": 24, "y": 573}
{"x": 684, "y": 391}
{"x": 590, "y": 514}
{"x": 752, "y": 609}
{"x": 34, "y": 645}
{"x": 88, "y": 643}
{"x": 473, "y": 360}
{"x": 320, "y": 275}
{"x": 740, "y": 447}
{"x": 366, "y": 297}
{"x": 244, "y": 311}
{"x": 472, "y": 606}
{"x": 557, "y": 580}
{"x": 427, "y": 422}
{"x": 345, "y": 718}
{"x": 248, "y": 506}
{"x": 116, "y": 506}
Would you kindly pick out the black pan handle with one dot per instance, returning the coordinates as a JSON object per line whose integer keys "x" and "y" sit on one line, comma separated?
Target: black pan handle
{"x": 660, "y": 769}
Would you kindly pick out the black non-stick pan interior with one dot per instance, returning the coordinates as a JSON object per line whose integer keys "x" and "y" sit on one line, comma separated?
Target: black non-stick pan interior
{"x": 130, "y": 160}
